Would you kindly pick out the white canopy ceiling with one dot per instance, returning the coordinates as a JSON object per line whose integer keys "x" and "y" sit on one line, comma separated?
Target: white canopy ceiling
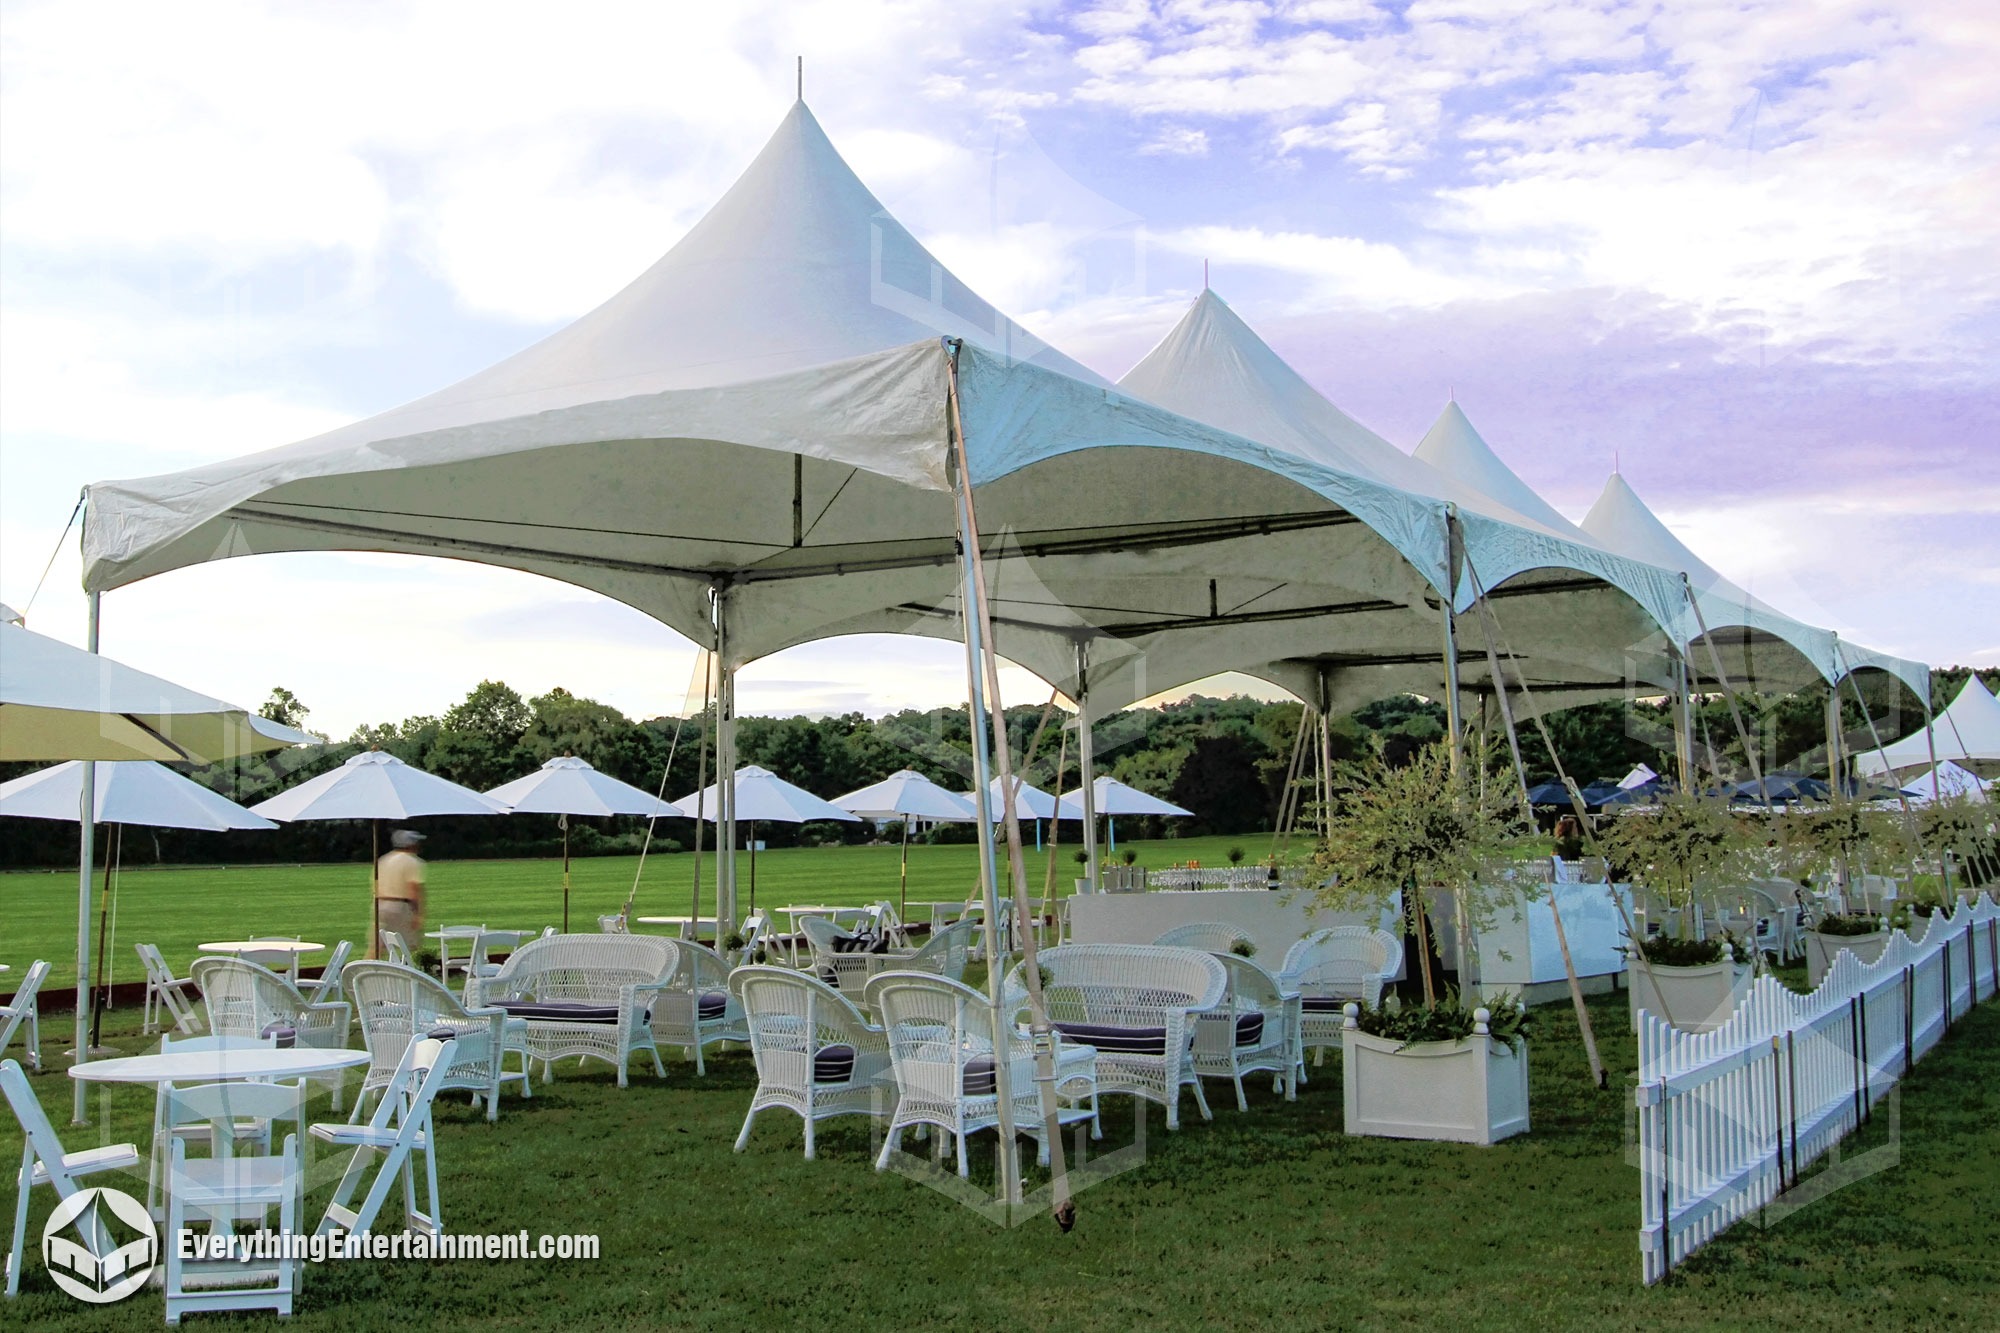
{"x": 1967, "y": 732}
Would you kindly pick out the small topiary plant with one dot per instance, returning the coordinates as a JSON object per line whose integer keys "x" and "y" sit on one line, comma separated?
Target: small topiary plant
{"x": 1236, "y": 856}
{"x": 1244, "y": 949}
{"x": 1128, "y": 856}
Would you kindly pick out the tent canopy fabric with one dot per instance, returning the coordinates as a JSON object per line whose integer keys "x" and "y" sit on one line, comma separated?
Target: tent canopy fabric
{"x": 907, "y": 794}
{"x": 59, "y": 702}
{"x": 1112, "y": 797}
{"x": 761, "y": 415}
{"x": 567, "y": 785}
{"x": 131, "y": 792}
{"x": 1946, "y": 781}
{"x": 761, "y": 797}
{"x": 1759, "y": 645}
{"x": 1967, "y": 732}
{"x": 375, "y": 785}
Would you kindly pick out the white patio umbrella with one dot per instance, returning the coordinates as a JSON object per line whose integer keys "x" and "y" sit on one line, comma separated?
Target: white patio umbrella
{"x": 907, "y": 794}
{"x": 761, "y": 795}
{"x": 1113, "y": 798}
{"x": 60, "y": 702}
{"x": 133, "y": 792}
{"x": 568, "y": 786}
{"x": 375, "y": 785}
{"x": 1031, "y": 804}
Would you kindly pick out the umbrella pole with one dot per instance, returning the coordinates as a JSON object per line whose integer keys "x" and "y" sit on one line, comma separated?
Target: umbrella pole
{"x": 565, "y": 828}
{"x": 374, "y": 884}
{"x": 903, "y": 878}
{"x": 753, "y": 879}
{"x": 100, "y": 993}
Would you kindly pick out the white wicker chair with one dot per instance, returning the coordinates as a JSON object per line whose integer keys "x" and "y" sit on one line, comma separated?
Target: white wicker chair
{"x": 816, "y": 1055}
{"x": 245, "y": 1000}
{"x": 698, "y": 1009}
{"x": 1256, "y": 1027}
{"x": 945, "y": 952}
{"x": 1208, "y": 936}
{"x": 480, "y": 967}
{"x": 942, "y": 1048}
{"x": 1781, "y": 918}
{"x": 1136, "y": 1004}
{"x": 848, "y": 972}
{"x": 1330, "y": 967}
{"x": 585, "y": 995}
{"x": 24, "y": 1011}
{"x": 398, "y": 1005}
{"x": 166, "y": 994}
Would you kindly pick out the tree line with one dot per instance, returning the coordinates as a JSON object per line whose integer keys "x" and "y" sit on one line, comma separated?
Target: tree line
{"x": 1225, "y": 759}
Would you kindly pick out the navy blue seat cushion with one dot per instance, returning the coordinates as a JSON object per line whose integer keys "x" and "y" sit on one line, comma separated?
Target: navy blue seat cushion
{"x": 977, "y": 1080}
{"x": 566, "y": 1011}
{"x": 833, "y": 1064}
{"x": 1322, "y": 1004}
{"x": 1249, "y": 1029}
{"x": 853, "y": 943}
{"x": 711, "y": 1004}
{"x": 1107, "y": 1037}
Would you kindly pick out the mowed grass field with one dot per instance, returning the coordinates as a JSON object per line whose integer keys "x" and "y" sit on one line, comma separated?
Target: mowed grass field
{"x": 179, "y": 908}
{"x": 1271, "y": 1219}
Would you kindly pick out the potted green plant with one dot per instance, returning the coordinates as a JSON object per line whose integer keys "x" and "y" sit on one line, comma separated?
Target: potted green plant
{"x": 1470, "y": 1064}
{"x": 732, "y": 949}
{"x": 1408, "y": 836}
{"x": 1836, "y": 838}
{"x": 1682, "y": 853}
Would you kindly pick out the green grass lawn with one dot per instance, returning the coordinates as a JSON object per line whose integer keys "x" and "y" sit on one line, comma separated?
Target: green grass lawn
{"x": 179, "y": 908}
{"x": 1271, "y": 1219}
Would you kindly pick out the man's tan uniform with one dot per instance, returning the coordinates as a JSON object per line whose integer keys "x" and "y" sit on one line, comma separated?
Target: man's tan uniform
{"x": 399, "y": 897}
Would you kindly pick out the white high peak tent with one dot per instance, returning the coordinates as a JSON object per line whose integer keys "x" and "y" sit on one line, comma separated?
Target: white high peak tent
{"x": 756, "y": 442}
{"x": 1966, "y": 733}
{"x": 1578, "y": 615}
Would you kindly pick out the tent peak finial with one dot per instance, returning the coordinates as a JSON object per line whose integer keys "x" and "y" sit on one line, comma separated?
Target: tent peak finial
{"x": 1204, "y": 275}
{"x": 802, "y": 78}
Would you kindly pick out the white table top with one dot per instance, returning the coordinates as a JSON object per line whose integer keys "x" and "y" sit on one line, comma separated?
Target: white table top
{"x": 815, "y": 909}
{"x": 260, "y": 946}
{"x": 215, "y": 1066}
{"x": 466, "y": 933}
{"x": 674, "y": 920}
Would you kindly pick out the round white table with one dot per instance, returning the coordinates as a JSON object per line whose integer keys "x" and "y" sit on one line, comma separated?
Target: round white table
{"x": 690, "y": 926}
{"x": 218, "y": 1066}
{"x": 292, "y": 947}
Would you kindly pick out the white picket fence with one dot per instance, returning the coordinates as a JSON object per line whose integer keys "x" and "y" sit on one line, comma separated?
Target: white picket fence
{"x": 1728, "y": 1119}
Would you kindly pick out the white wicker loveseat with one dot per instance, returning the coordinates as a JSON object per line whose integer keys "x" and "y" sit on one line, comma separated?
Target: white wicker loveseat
{"x": 1330, "y": 967}
{"x": 397, "y": 1005}
{"x": 1137, "y": 1005}
{"x": 584, "y": 995}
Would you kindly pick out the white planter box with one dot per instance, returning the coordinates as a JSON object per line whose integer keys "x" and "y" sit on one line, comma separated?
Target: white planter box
{"x": 1693, "y": 999}
{"x": 1470, "y": 1091}
{"x": 1821, "y": 950}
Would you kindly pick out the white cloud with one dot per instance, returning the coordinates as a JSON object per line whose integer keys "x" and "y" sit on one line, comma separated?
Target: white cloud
{"x": 1177, "y": 141}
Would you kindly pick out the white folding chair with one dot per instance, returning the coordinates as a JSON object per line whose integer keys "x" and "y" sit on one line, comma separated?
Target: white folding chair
{"x": 447, "y": 961}
{"x": 43, "y": 1161}
{"x": 198, "y": 1131}
{"x": 22, "y": 1011}
{"x": 166, "y": 994}
{"x": 325, "y": 988}
{"x": 394, "y": 950}
{"x": 612, "y": 925}
{"x": 228, "y": 1186}
{"x": 400, "y": 1127}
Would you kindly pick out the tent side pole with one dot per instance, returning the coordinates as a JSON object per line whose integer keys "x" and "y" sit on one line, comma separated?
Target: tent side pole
{"x": 701, "y": 785}
{"x": 1086, "y": 760}
{"x": 725, "y": 767}
{"x": 1683, "y": 722}
{"x": 86, "y": 845}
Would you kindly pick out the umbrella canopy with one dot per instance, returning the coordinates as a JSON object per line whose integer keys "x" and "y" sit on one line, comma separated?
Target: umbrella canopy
{"x": 1599, "y": 792}
{"x": 134, "y": 792}
{"x": 570, "y": 786}
{"x": 1113, "y": 797}
{"x": 762, "y": 796}
{"x": 907, "y": 794}
{"x": 1782, "y": 786}
{"x": 1641, "y": 793}
{"x": 376, "y": 785}
{"x": 60, "y": 702}
{"x": 1029, "y": 803}
{"x": 1548, "y": 793}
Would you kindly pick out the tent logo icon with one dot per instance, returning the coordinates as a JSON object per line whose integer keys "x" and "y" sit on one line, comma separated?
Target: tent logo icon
{"x": 100, "y": 1245}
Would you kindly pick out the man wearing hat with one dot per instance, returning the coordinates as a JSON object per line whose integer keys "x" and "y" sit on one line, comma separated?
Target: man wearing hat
{"x": 399, "y": 891}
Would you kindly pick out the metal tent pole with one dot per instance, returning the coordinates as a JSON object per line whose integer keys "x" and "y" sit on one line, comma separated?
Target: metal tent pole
{"x": 1087, "y": 766}
{"x": 86, "y": 845}
{"x": 725, "y": 768}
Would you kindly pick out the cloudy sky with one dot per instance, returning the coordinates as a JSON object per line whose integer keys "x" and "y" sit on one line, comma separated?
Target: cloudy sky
{"x": 1747, "y": 250}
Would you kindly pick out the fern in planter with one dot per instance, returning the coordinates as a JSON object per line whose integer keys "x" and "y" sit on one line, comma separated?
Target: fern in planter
{"x": 1848, "y": 926}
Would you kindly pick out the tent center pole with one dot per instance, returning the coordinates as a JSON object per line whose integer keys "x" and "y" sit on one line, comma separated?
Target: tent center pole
{"x": 1087, "y": 765}
{"x": 86, "y": 845}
